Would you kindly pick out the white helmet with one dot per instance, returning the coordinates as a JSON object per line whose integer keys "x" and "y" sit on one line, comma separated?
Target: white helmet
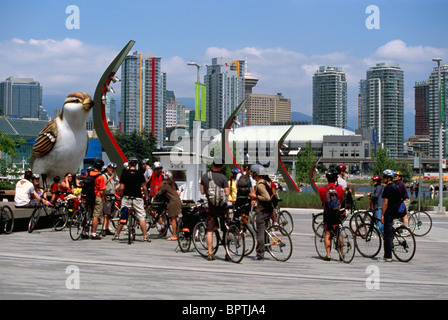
{"x": 158, "y": 165}
{"x": 167, "y": 174}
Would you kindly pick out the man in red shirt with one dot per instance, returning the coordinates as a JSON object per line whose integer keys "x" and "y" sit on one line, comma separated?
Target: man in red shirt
{"x": 331, "y": 215}
{"x": 100, "y": 197}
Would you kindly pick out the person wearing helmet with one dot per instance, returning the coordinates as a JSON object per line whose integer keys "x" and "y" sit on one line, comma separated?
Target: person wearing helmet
{"x": 376, "y": 197}
{"x": 232, "y": 185}
{"x": 331, "y": 219}
{"x": 38, "y": 190}
{"x": 342, "y": 170}
{"x": 391, "y": 202}
{"x": 168, "y": 192}
{"x": 264, "y": 210}
{"x": 404, "y": 195}
{"x": 112, "y": 185}
{"x": 100, "y": 196}
{"x": 156, "y": 179}
{"x": 148, "y": 171}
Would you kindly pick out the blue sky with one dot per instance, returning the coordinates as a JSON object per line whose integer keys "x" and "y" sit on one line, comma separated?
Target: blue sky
{"x": 284, "y": 41}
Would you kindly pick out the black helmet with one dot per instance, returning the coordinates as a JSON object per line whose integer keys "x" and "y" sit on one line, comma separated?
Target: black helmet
{"x": 98, "y": 164}
{"x": 331, "y": 175}
{"x": 133, "y": 161}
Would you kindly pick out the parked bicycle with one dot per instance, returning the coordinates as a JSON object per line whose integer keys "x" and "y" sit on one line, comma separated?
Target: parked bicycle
{"x": 284, "y": 218}
{"x": 232, "y": 238}
{"x": 81, "y": 222}
{"x": 6, "y": 219}
{"x": 421, "y": 223}
{"x": 191, "y": 215}
{"x": 369, "y": 241}
{"x": 58, "y": 216}
{"x": 157, "y": 218}
{"x": 342, "y": 240}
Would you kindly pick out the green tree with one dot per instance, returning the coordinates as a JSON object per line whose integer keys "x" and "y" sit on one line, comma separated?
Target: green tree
{"x": 305, "y": 160}
{"x": 137, "y": 145}
{"x": 382, "y": 161}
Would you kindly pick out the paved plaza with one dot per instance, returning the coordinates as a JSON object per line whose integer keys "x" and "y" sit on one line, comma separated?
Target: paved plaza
{"x": 49, "y": 265}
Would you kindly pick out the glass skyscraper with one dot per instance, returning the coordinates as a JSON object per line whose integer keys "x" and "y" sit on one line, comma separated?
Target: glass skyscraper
{"x": 330, "y": 97}
{"x": 143, "y": 95}
{"x": 20, "y": 98}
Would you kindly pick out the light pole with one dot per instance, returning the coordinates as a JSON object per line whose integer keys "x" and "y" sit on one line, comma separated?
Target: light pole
{"x": 197, "y": 139}
{"x": 441, "y": 211}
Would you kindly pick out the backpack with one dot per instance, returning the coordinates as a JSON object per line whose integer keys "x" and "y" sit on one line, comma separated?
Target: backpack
{"x": 332, "y": 203}
{"x": 88, "y": 188}
{"x": 268, "y": 205}
{"x": 243, "y": 186}
{"x": 216, "y": 194}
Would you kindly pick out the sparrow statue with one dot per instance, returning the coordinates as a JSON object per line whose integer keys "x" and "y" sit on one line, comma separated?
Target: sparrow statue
{"x": 62, "y": 143}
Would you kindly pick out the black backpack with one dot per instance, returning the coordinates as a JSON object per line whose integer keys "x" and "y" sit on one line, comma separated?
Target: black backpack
{"x": 243, "y": 186}
{"x": 88, "y": 188}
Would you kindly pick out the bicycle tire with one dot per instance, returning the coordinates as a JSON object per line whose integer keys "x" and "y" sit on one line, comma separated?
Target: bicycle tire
{"x": 278, "y": 243}
{"x": 346, "y": 244}
{"x": 60, "y": 218}
{"x": 316, "y": 221}
{"x": 34, "y": 218}
{"x": 423, "y": 223}
{"x": 368, "y": 240}
{"x": 131, "y": 230}
{"x": 403, "y": 246}
{"x": 161, "y": 224}
{"x": 358, "y": 218}
{"x": 411, "y": 222}
{"x": 75, "y": 227}
{"x": 249, "y": 239}
{"x": 284, "y": 219}
{"x": 183, "y": 237}
{"x": 234, "y": 244}
{"x": 319, "y": 242}
{"x": 7, "y": 220}
{"x": 199, "y": 238}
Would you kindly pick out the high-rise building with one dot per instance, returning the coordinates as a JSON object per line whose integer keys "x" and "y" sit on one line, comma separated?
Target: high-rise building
{"x": 434, "y": 111}
{"x": 111, "y": 110}
{"x": 265, "y": 109}
{"x": 382, "y": 106}
{"x": 143, "y": 89}
{"x": 225, "y": 91}
{"x": 21, "y": 98}
{"x": 330, "y": 97}
{"x": 421, "y": 99}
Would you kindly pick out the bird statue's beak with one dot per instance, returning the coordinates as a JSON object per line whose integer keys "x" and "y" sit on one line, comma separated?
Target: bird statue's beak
{"x": 87, "y": 104}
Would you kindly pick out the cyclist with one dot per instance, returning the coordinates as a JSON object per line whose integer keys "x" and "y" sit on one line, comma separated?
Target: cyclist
{"x": 156, "y": 179}
{"x": 132, "y": 182}
{"x": 404, "y": 195}
{"x": 232, "y": 185}
{"x": 377, "y": 199}
{"x": 245, "y": 184}
{"x": 342, "y": 170}
{"x": 146, "y": 164}
{"x": 25, "y": 196}
{"x": 214, "y": 212}
{"x": 100, "y": 197}
{"x": 331, "y": 219}
{"x": 391, "y": 203}
{"x": 39, "y": 191}
{"x": 169, "y": 191}
{"x": 112, "y": 185}
{"x": 264, "y": 207}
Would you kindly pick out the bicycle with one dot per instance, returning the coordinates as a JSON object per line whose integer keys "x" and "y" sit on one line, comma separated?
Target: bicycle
{"x": 57, "y": 214}
{"x": 156, "y": 218}
{"x": 422, "y": 222}
{"x": 191, "y": 215}
{"x": 232, "y": 239}
{"x": 243, "y": 214}
{"x": 284, "y": 218}
{"x": 132, "y": 220}
{"x": 343, "y": 241}
{"x": 369, "y": 241}
{"x": 6, "y": 219}
{"x": 81, "y": 222}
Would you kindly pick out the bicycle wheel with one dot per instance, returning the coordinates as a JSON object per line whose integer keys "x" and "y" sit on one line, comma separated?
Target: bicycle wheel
{"x": 411, "y": 222}
{"x": 249, "y": 239}
{"x": 200, "y": 239}
{"x": 423, "y": 223}
{"x": 319, "y": 242}
{"x": 284, "y": 219}
{"x": 60, "y": 218}
{"x": 75, "y": 227}
{"x": 368, "y": 240}
{"x": 131, "y": 228}
{"x": 183, "y": 237}
{"x": 278, "y": 243}
{"x": 160, "y": 225}
{"x": 403, "y": 246}
{"x": 34, "y": 218}
{"x": 317, "y": 220}
{"x": 346, "y": 244}
{"x": 115, "y": 219}
{"x": 358, "y": 218}
{"x": 234, "y": 244}
{"x": 7, "y": 220}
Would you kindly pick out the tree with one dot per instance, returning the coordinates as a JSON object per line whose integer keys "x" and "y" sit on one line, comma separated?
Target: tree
{"x": 305, "y": 160}
{"x": 382, "y": 162}
{"x": 137, "y": 145}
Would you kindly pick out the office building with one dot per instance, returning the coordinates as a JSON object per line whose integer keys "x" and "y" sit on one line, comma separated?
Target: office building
{"x": 330, "y": 97}
{"x": 21, "y": 98}
{"x": 434, "y": 111}
{"x": 421, "y": 98}
{"x": 225, "y": 91}
{"x": 382, "y": 106}
{"x": 143, "y": 89}
{"x": 266, "y": 109}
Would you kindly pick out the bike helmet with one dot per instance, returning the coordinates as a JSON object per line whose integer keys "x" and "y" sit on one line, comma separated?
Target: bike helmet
{"x": 257, "y": 168}
{"x": 331, "y": 175}
{"x": 98, "y": 164}
{"x": 376, "y": 178}
{"x": 158, "y": 165}
{"x": 399, "y": 173}
{"x": 167, "y": 174}
{"x": 236, "y": 171}
{"x": 35, "y": 176}
{"x": 146, "y": 161}
{"x": 389, "y": 173}
{"x": 112, "y": 165}
{"x": 341, "y": 168}
{"x": 133, "y": 161}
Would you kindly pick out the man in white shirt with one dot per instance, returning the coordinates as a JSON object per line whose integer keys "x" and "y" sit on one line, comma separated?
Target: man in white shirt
{"x": 25, "y": 196}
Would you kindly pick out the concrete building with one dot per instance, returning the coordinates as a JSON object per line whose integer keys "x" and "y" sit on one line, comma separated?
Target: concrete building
{"x": 265, "y": 109}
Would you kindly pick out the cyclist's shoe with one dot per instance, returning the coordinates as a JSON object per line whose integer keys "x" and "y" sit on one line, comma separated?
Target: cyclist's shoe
{"x": 384, "y": 259}
{"x": 115, "y": 238}
{"x": 327, "y": 258}
{"x": 211, "y": 257}
{"x": 95, "y": 237}
{"x": 84, "y": 236}
{"x": 147, "y": 239}
{"x": 257, "y": 258}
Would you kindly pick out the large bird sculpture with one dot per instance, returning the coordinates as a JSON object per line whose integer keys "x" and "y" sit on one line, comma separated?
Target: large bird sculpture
{"x": 62, "y": 143}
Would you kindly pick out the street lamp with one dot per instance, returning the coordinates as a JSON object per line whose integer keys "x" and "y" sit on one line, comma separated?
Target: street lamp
{"x": 438, "y": 60}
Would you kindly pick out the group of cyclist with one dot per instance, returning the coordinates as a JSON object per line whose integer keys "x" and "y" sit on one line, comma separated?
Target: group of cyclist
{"x": 385, "y": 201}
